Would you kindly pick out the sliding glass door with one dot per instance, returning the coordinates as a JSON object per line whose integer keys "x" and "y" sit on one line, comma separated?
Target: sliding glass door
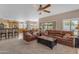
{"x": 74, "y": 24}
{"x": 70, "y": 25}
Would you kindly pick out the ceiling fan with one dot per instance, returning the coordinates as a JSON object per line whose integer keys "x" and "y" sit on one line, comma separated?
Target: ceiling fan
{"x": 44, "y": 8}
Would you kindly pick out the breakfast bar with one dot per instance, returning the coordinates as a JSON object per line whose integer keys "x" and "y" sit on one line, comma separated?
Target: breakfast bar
{"x": 8, "y": 33}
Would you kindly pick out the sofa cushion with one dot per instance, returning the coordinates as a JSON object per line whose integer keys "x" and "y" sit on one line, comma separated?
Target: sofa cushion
{"x": 67, "y": 35}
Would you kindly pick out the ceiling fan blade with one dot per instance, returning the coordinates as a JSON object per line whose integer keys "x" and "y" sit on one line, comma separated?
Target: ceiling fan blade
{"x": 40, "y": 7}
{"x": 46, "y": 11}
{"x": 46, "y": 6}
{"x": 40, "y": 13}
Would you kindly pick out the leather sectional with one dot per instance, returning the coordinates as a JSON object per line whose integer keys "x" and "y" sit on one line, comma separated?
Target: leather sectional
{"x": 58, "y": 34}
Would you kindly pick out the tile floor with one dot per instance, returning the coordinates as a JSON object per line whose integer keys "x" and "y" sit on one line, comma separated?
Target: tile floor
{"x": 19, "y": 46}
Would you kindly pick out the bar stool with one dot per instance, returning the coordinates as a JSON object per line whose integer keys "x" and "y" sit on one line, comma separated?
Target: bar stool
{"x": 3, "y": 34}
{"x": 15, "y": 32}
{"x": 7, "y": 33}
{"x": 0, "y": 35}
{"x": 10, "y": 33}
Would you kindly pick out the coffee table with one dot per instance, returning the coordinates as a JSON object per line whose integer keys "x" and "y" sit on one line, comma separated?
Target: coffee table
{"x": 47, "y": 41}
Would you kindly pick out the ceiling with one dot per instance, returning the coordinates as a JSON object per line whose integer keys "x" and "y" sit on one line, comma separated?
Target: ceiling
{"x": 18, "y": 11}
{"x": 29, "y": 12}
{"x": 60, "y": 8}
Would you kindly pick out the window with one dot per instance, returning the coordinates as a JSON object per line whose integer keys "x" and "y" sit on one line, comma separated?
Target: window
{"x": 70, "y": 25}
{"x": 66, "y": 25}
{"x": 22, "y": 25}
{"x": 48, "y": 25}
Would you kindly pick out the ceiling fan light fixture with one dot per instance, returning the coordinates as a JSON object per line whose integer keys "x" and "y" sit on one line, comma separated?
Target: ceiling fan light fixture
{"x": 43, "y": 8}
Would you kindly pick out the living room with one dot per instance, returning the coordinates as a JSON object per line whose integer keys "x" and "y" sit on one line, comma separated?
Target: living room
{"x": 57, "y": 24}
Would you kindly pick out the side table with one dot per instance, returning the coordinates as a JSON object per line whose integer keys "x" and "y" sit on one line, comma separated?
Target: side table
{"x": 77, "y": 42}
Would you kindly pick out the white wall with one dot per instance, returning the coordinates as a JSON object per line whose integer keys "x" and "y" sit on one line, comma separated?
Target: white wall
{"x": 60, "y": 17}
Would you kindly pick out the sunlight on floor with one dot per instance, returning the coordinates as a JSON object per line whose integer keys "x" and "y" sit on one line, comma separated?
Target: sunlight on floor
{"x": 20, "y": 36}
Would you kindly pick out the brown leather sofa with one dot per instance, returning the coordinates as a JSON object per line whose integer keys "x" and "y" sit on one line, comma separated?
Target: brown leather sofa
{"x": 58, "y": 34}
{"x": 28, "y": 38}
